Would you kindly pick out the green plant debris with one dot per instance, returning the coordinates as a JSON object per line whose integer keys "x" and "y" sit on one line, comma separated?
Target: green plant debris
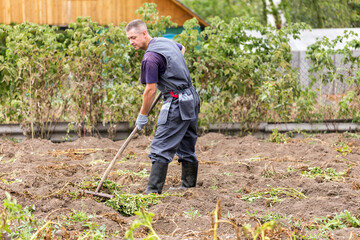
{"x": 128, "y": 204}
{"x": 128, "y": 157}
{"x": 274, "y": 195}
{"x": 268, "y": 173}
{"x": 260, "y": 230}
{"x": 10, "y": 182}
{"x": 91, "y": 184}
{"x": 12, "y": 213}
{"x": 329, "y": 174}
{"x": 267, "y": 217}
{"x": 11, "y": 160}
{"x": 352, "y": 135}
{"x": 192, "y": 213}
{"x": 79, "y": 216}
{"x": 284, "y": 220}
{"x": 226, "y": 174}
{"x": 92, "y": 230}
{"x": 144, "y": 219}
{"x": 291, "y": 169}
{"x": 278, "y": 137}
{"x": 339, "y": 221}
{"x": 256, "y": 159}
{"x": 141, "y": 174}
{"x": 343, "y": 148}
{"x": 17, "y": 222}
{"x": 108, "y": 184}
{"x": 214, "y": 186}
{"x": 95, "y": 162}
{"x": 87, "y": 184}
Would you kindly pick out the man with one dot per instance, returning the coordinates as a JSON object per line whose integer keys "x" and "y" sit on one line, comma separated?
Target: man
{"x": 164, "y": 67}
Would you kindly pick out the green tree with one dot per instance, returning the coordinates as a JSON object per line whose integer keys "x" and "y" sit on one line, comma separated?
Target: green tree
{"x": 355, "y": 12}
{"x": 228, "y": 9}
{"x": 316, "y": 13}
{"x": 321, "y": 13}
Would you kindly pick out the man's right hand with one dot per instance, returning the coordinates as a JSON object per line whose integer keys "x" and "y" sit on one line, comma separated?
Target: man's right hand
{"x": 141, "y": 121}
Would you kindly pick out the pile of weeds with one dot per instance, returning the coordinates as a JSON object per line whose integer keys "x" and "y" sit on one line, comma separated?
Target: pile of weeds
{"x": 328, "y": 174}
{"x": 125, "y": 203}
{"x": 128, "y": 204}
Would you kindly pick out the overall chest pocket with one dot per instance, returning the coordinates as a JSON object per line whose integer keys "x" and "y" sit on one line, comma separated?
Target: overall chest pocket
{"x": 164, "y": 112}
{"x": 187, "y": 105}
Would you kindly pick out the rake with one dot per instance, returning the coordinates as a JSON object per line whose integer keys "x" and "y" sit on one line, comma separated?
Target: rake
{"x": 131, "y": 136}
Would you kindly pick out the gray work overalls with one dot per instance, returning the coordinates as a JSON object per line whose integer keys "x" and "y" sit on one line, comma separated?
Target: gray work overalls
{"x": 177, "y": 123}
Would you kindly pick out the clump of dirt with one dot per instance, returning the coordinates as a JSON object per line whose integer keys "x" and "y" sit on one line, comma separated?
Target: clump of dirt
{"x": 255, "y": 180}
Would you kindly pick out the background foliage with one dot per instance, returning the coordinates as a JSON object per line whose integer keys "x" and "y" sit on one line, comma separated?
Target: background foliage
{"x": 89, "y": 73}
{"x": 316, "y": 13}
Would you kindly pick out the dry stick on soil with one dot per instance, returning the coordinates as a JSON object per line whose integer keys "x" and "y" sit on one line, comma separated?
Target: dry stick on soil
{"x": 41, "y": 197}
{"x": 176, "y": 229}
{"x": 33, "y": 237}
{"x": 353, "y": 236}
{"x": 162, "y": 215}
{"x": 217, "y": 220}
{"x": 191, "y": 233}
{"x": 75, "y": 152}
{"x": 80, "y": 166}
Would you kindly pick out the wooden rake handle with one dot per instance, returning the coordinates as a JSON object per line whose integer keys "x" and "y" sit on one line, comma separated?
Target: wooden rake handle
{"x": 131, "y": 136}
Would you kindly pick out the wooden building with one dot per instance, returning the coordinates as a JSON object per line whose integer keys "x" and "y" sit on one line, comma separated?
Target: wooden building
{"x": 63, "y": 12}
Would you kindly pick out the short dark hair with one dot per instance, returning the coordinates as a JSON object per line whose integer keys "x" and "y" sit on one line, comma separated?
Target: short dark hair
{"x": 136, "y": 24}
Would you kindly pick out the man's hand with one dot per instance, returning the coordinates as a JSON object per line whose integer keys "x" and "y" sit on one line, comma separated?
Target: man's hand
{"x": 141, "y": 121}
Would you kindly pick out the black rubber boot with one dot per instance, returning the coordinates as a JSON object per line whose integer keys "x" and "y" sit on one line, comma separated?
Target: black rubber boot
{"x": 157, "y": 177}
{"x": 189, "y": 173}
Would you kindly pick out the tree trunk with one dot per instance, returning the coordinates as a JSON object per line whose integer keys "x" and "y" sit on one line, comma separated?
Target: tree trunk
{"x": 320, "y": 22}
{"x": 264, "y": 12}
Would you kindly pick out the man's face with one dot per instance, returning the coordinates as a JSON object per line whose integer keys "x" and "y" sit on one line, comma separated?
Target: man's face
{"x": 137, "y": 40}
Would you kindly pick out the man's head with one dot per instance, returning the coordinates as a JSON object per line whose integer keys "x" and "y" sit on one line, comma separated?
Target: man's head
{"x": 138, "y": 35}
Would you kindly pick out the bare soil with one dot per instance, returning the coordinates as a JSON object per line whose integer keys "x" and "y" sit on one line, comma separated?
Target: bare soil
{"x": 44, "y": 174}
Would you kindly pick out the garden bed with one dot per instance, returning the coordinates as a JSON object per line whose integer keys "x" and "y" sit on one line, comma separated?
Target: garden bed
{"x": 309, "y": 187}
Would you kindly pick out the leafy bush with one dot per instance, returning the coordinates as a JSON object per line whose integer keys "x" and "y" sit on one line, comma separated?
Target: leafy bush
{"x": 34, "y": 70}
{"x": 89, "y": 73}
{"x": 243, "y": 59}
{"x": 324, "y": 71}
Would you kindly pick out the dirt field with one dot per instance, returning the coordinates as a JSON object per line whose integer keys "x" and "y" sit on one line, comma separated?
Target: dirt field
{"x": 256, "y": 181}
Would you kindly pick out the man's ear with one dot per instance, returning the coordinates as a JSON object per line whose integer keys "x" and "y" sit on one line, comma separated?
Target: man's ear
{"x": 144, "y": 33}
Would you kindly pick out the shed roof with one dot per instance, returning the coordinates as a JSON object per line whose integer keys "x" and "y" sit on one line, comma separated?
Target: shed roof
{"x": 202, "y": 22}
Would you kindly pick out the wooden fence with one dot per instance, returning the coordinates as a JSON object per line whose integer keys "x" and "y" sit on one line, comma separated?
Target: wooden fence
{"x": 63, "y": 12}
